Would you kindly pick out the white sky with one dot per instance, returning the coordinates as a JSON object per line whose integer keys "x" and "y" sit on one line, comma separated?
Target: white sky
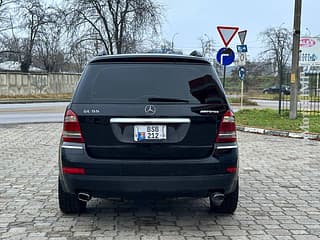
{"x": 191, "y": 19}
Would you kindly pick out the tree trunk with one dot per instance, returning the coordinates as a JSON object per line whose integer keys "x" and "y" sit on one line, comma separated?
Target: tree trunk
{"x": 25, "y": 64}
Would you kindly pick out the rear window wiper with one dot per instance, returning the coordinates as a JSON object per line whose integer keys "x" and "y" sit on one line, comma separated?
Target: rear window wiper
{"x": 159, "y": 99}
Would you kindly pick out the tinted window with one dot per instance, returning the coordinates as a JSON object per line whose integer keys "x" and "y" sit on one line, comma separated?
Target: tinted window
{"x": 136, "y": 83}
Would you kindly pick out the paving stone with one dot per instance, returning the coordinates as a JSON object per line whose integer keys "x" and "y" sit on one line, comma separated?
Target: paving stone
{"x": 279, "y": 196}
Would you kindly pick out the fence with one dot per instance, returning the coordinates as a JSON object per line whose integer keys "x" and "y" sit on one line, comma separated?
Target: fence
{"x": 24, "y": 84}
{"x": 309, "y": 95}
{"x": 309, "y": 92}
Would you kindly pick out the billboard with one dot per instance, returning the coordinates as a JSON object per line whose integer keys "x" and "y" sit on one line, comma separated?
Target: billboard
{"x": 309, "y": 51}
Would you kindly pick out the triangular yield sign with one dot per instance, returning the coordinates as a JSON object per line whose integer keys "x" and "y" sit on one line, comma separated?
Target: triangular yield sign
{"x": 242, "y": 36}
{"x": 227, "y": 34}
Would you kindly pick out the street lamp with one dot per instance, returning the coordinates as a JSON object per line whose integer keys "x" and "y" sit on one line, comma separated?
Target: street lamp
{"x": 172, "y": 41}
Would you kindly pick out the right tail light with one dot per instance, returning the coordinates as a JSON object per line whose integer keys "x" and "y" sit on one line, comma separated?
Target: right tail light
{"x": 227, "y": 129}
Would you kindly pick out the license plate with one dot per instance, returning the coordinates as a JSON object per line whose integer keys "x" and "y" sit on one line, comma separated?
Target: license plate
{"x": 150, "y": 132}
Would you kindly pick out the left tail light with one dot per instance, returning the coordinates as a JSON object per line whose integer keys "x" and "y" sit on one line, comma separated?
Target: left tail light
{"x": 71, "y": 128}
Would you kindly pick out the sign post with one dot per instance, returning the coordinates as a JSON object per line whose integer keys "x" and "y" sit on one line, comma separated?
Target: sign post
{"x": 225, "y": 56}
{"x": 242, "y": 75}
{"x": 241, "y": 104}
{"x": 242, "y": 72}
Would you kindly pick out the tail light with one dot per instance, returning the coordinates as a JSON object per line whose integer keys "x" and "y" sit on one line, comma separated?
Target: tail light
{"x": 227, "y": 129}
{"x": 71, "y": 128}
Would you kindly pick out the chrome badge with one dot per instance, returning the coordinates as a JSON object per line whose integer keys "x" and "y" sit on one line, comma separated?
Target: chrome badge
{"x": 150, "y": 109}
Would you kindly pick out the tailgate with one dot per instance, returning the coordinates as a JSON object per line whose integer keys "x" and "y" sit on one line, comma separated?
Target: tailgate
{"x": 175, "y": 131}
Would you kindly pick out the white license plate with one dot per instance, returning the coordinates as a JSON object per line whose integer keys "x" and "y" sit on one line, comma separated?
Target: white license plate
{"x": 150, "y": 132}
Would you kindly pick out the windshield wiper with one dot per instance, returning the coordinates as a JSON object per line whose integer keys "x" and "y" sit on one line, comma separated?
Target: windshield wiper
{"x": 159, "y": 99}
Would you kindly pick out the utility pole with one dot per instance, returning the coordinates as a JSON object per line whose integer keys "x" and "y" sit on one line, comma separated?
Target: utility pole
{"x": 295, "y": 74}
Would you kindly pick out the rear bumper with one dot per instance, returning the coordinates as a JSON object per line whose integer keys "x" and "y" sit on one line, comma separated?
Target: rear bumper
{"x": 126, "y": 186}
{"x": 126, "y": 178}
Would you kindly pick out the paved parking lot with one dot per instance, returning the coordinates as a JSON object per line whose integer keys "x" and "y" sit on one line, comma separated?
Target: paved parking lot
{"x": 279, "y": 198}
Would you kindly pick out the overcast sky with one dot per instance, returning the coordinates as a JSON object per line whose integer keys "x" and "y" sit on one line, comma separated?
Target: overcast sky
{"x": 190, "y": 19}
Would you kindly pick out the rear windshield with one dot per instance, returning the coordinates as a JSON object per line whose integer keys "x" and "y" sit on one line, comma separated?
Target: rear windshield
{"x": 147, "y": 82}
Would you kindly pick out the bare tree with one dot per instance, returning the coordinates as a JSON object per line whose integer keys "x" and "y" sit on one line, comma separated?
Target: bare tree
{"x": 207, "y": 46}
{"x": 33, "y": 17}
{"x": 278, "y": 43}
{"x": 117, "y": 25}
{"x": 79, "y": 55}
{"x": 48, "y": 45}
{"x": 208, "y": 50}
{"x": 6, "y": 23}
{"x": 10, "y": 47}
{"x": 5, "y": 7}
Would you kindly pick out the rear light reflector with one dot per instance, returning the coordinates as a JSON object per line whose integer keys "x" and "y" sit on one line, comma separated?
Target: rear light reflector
{"x": 71, "y": 128}
{"x": 231, "y": 169}
{"x": 227, "y": 129}
{"x": 73, "y": 171}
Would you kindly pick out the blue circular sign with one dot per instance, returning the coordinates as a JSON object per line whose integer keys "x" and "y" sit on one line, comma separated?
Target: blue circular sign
{"x": 225, "y": 56}
{"x": 242, "y": 73}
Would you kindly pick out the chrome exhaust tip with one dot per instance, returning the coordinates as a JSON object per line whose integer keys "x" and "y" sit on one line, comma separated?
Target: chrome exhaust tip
{"x": 217, "y": 198}
{"x": 84, "y": 197}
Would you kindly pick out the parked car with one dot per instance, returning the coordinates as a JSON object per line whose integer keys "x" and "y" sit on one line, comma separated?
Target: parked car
{"x": 276, "y": 89}
{"x": 148, "y": 125}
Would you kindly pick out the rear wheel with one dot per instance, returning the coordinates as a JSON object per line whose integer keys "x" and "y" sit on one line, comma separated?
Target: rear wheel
{"x": 229, "y": 204}
{"x": 69, "y": 203}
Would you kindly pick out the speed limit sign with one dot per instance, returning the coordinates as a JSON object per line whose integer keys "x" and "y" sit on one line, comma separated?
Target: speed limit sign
{"x": 242, "y": 59}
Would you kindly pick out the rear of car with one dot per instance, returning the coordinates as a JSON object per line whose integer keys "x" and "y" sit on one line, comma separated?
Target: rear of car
{"x": 148, "y": 125}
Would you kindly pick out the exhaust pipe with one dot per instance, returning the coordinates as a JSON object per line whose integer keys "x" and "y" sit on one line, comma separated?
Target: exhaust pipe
{"x": 217, "y": 198}
{"x": 84, "y": 197}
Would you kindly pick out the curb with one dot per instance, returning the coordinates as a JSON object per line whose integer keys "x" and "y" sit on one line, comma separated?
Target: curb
{"x": 279, "y": 133}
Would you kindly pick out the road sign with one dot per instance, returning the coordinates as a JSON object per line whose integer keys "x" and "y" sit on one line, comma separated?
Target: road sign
{"x": 227, "y": 34}
{"x": 241, "y": 73}
{"x": 242, "y": 59}
{"x": 242, "y": 48}
{"x": 225, "y": 56}
{"x": 242, "y": 36}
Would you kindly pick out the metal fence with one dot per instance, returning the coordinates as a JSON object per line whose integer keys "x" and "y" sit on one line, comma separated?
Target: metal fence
{"x": 309, "y": 94}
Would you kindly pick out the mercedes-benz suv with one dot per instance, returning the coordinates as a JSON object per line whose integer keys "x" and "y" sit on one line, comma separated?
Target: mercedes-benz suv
{"x": 148, "y": 125}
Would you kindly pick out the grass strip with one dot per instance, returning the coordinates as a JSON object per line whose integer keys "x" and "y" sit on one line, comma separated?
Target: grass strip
{"x": 270, "y": 119}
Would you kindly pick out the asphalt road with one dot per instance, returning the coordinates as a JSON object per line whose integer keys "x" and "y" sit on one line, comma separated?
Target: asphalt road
{"x": 32, "y": 112}
{"x": 274, "y": 104}
{"x": 53, "y": 112}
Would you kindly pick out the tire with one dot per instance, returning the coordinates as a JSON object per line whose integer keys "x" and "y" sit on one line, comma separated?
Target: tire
{"x": 229, "y": 204}
{"x": 69, "y": 203}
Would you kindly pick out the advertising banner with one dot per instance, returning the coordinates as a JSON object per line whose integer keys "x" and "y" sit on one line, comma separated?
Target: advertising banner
{"x": 309, "y": 51}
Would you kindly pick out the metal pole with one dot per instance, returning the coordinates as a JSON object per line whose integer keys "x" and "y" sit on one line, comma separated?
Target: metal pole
{"x": 317, "y": 91}
{"x": 241, "y": 105}
{"x": 295, "y": 60}
{"x": 280, "y": 93}
{"x": 224, "y": 76}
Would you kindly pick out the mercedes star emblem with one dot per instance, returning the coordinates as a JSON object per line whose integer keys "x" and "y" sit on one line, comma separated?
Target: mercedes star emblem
{"x": 150, "y": 109}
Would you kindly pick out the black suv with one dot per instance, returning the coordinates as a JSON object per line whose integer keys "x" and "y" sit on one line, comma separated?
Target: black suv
{"x": 148, "y": 125}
